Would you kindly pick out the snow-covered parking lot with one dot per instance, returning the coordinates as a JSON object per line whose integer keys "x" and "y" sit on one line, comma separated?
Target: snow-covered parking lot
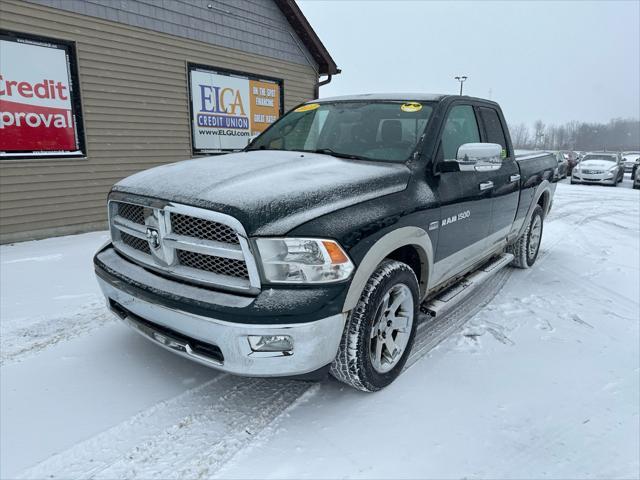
{"x": 537, "y": 377}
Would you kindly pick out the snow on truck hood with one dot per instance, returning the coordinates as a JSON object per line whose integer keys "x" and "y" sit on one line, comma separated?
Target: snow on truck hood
{"x": 270, "y": 191}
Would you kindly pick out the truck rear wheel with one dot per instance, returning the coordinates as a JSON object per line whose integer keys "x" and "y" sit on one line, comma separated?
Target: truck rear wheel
{"x": 380, "y": 331}
{"x": 525, "y": 249}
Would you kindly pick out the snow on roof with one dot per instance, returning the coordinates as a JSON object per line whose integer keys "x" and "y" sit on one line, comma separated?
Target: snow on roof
{"x": 425, "y": 97}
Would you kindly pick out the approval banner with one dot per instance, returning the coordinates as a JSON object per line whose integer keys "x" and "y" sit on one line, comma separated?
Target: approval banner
{"x": 229, "y": 108}
{"x": 39, "y": 110}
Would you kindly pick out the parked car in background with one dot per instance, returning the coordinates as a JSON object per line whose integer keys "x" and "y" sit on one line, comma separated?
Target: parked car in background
{"x": 563, "y": 165}
{"x": 572, "y": 159}
{"x": 631, "y": 161}
{"x": 636, "y": 179}
{"x": 605, "y": 168}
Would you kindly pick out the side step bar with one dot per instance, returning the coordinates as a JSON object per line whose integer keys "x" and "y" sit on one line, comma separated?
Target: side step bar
{"x": 455, "y": 294}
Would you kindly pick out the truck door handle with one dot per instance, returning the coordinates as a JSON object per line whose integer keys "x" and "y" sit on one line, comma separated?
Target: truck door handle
{"x": 486, "y": 185}
{"x": 514, "y": 178}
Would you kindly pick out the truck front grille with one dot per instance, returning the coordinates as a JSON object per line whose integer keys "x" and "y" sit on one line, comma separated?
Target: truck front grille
{"x": 210, "y": 263}
{"x": 201, "y": 228}
{"x": 135, "y": 243}
{"x": 133, "y": 213}
{"x": 194, "y": 244}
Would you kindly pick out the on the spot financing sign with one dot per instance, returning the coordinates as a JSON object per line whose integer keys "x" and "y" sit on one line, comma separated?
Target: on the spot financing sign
{"x": 229, "y": 108}
{"x": 37, "y": 113}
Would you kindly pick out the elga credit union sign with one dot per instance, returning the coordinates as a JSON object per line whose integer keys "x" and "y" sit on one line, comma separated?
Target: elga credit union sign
{"x": 227, "y": 108}
{"x": 39, "y": 104}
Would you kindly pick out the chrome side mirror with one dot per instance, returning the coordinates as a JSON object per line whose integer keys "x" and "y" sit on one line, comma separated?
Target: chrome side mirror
{"x": 481, "y": 157}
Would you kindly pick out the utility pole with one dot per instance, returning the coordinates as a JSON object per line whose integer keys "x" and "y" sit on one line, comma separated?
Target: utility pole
{"x": 461, "y": 79}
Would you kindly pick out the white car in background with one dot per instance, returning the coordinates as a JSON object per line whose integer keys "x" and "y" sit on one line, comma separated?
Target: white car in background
{"x": 604, "y": 168}
{"x": 631, "y": 161}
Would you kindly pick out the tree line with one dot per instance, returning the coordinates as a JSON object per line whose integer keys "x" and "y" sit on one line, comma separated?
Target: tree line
{"x": 618, "y": 135}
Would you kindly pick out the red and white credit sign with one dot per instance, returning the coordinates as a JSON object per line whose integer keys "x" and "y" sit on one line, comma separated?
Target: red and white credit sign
{"x": 36, "y": 104}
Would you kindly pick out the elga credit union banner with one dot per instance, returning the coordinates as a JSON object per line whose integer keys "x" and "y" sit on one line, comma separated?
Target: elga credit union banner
{"x": 228, "y": 109}
{"x": 37, "y": 116}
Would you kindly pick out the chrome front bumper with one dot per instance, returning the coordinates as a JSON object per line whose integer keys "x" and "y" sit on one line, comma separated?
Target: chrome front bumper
{"x": 198, "y": 338}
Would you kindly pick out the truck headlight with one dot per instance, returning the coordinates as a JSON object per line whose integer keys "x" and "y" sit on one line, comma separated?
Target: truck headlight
{"x": 303, "y": 260}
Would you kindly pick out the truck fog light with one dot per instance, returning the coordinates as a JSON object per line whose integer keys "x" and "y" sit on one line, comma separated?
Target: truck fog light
{"x": 270, "y": 343}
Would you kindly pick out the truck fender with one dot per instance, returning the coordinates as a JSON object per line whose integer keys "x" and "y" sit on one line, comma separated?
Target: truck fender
{"x": 404, "y": 236}
{"x": 543, "y": 188}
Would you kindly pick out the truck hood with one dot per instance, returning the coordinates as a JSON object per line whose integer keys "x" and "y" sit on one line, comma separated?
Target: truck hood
{"x": 269, "y": 191}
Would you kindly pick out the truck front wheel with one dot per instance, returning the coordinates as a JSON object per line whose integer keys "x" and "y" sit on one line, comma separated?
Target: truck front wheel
{"x": 380, "y": 331}
{"x": 525, "y": 249}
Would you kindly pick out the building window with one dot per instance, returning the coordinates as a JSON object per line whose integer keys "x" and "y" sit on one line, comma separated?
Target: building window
{"x": 229, "y": 108}
{"x": 40, "y": 110}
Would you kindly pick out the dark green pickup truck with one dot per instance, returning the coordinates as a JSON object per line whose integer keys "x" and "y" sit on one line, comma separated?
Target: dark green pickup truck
{"x": 314, "y": 248}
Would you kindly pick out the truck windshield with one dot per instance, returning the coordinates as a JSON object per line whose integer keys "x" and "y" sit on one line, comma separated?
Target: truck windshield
{"x": 387, "y": 131}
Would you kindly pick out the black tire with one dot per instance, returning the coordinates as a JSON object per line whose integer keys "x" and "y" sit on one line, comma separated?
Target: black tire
{"x": 524, "y": 257}
{"x": 353, "y": 364}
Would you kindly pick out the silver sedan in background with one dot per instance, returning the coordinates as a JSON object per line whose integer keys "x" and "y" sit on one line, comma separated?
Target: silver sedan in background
{"x": 604, "y": 168}
{"x": 631, "y": 161}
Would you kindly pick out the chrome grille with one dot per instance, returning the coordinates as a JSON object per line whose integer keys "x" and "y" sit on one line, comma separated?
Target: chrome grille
{"x": 223, "y": 266}
{"x": 201, "y": 228}
{"x": 133, "y": 213}
{"x": 191, "y": 243}
{"x": 593, "y": 172}
{"x": 135, "y": 243}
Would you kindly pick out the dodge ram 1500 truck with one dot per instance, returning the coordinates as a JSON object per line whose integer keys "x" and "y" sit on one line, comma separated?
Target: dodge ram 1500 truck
{"x": 314, "y": 247}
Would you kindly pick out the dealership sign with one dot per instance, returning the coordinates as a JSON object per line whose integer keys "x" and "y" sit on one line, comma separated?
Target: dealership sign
{"x": 227, "y": 108}
{"x": 39, "y": 110}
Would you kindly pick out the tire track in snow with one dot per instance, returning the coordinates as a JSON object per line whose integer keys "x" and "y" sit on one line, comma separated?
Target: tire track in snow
{"x": 194, "y": 434}
{"x": 20, "y": 341}
{"x": 189, "y": 436}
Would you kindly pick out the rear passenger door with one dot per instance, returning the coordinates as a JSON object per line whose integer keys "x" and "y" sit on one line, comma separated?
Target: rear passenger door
{"x": 506, "y": 181}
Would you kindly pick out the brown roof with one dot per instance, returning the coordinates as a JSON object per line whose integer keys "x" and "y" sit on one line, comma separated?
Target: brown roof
{"x": 305, "y": 31}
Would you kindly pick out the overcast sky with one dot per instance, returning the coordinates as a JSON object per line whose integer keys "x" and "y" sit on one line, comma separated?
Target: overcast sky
{"x": 555, "y": 61}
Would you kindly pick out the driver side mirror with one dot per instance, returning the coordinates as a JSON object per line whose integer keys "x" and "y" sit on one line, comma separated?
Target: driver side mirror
{"x": 479, "y": 157}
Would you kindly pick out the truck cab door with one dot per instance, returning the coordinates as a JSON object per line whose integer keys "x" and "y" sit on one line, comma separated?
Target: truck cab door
{"x": 506, "y": 180}
{"x": 465, "y": 200}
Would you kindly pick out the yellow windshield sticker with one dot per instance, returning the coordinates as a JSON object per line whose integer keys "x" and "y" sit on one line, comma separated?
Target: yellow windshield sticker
{"x": 411, "y": 107}
{"x": 308, "y": 107}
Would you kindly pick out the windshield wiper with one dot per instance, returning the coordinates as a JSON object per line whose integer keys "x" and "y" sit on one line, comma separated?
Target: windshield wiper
{"x": 328, "y": 151}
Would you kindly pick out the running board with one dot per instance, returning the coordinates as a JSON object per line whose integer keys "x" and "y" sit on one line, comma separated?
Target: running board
{"x": 455, "y": 294}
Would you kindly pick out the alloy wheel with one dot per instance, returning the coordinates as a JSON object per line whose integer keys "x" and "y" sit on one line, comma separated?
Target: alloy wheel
{"x": 391, "y": 328}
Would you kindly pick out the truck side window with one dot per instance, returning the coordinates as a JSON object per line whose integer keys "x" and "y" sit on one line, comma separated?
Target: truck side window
{"x": 493, "y": 127}
{"x": 461, "y": 127}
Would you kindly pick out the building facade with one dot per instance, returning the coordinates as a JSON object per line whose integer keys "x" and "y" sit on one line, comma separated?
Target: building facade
{"x": 93, "y": 91}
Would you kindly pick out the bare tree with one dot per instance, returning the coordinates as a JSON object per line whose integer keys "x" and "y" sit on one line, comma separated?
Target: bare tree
{"x": 539, "y": 130}
{"x": 617, "y": 135}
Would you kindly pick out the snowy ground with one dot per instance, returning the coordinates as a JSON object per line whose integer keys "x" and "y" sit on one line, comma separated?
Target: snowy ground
{"x": 537, "y": 377}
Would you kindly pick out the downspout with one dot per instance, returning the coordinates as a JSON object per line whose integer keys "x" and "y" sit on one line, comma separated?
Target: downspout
{"x": 324, "y": 82}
